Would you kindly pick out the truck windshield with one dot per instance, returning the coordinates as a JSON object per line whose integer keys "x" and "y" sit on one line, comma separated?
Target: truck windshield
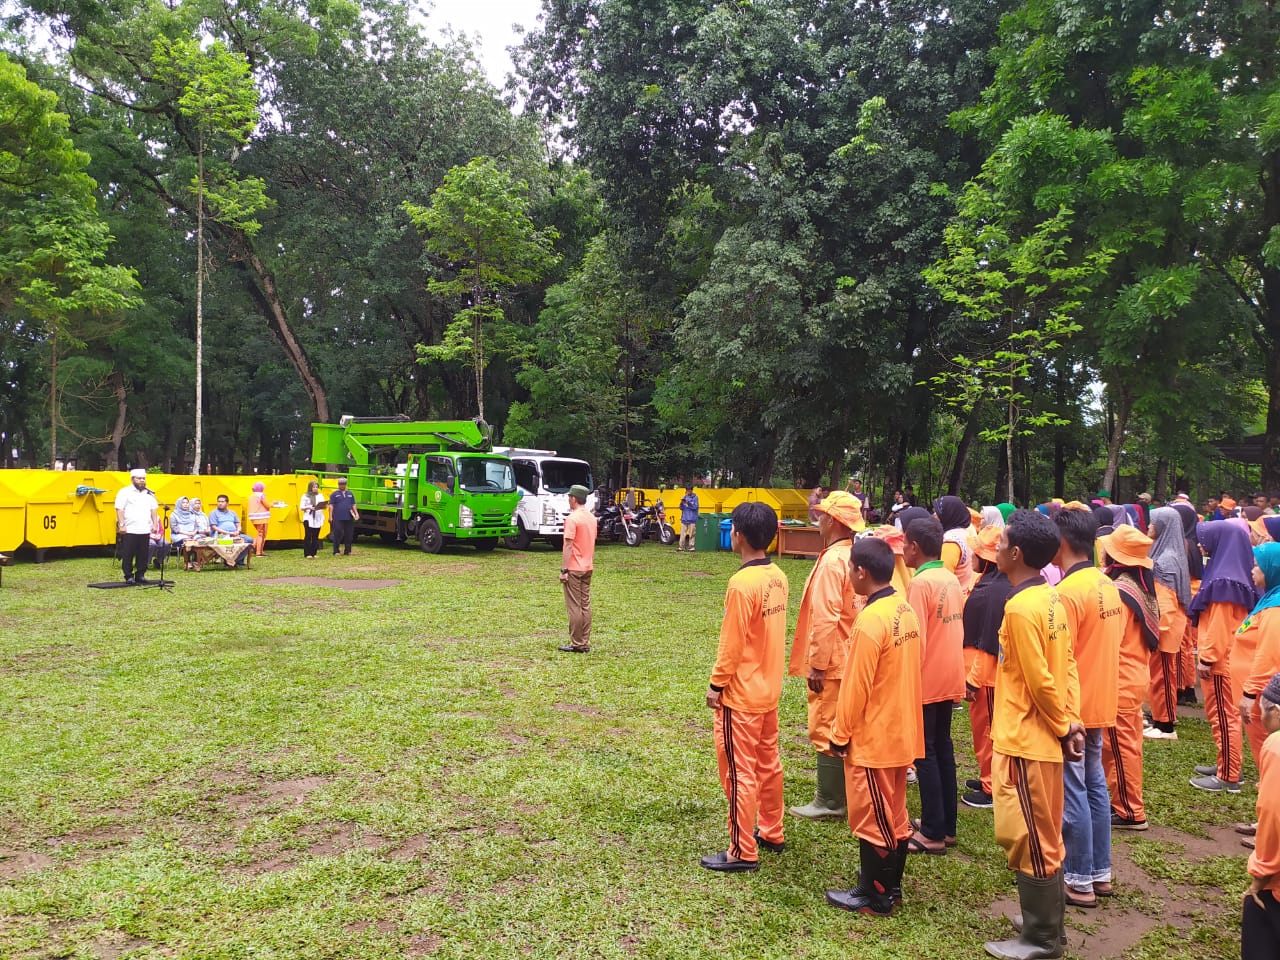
{"x": 482, "y": 475}
{"x": 559, "y": 475}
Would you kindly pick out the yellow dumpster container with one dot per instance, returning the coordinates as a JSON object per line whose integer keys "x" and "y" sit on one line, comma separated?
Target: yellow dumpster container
{"x": 72, "y": 509}
{"x": 13, "y": 508}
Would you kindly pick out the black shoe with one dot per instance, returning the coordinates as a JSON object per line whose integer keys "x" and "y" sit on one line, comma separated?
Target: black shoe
{"x": 978, "y": 799}
{"x": 1123, "y": 823}
{"x": 721, "y": 863}
{"x": 973, "y": 784}
{"x": 130, "y": 581}
{"x": 770, "y": 845}
{"x": 566, "y": 648}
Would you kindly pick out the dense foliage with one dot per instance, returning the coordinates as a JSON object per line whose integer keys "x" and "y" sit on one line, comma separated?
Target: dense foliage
{"x": 982, "y": 245}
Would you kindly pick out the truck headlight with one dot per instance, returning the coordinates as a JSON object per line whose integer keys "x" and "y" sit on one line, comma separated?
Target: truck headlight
{"x": 548, "y": 513}
{"x": 465, "y": 517}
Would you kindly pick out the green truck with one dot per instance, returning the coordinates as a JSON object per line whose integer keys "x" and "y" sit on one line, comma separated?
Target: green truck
{"x": 433, "y": 481}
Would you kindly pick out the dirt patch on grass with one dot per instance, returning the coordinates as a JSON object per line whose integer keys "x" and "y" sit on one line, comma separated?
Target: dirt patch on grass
{"x": 580, "y": 709}
{"x": 424, "y": 944}
{"x": 15, "y": 864}
{"x": 331, "y": 582}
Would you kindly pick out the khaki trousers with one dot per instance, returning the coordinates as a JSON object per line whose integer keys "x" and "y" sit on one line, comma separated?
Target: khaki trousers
{"x": 577, "y": 599}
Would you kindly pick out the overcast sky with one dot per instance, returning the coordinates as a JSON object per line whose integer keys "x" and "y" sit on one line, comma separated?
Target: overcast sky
{"x": 492, "y": 20}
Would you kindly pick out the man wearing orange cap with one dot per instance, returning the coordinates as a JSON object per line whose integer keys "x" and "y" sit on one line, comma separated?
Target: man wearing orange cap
{"x": 1128, "y": 564}
{"x": 983, "y": 612}
{"x": 828, "y": 609}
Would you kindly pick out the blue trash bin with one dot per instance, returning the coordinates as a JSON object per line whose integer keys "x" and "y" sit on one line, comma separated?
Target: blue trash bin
{"x": 725, "y": 527}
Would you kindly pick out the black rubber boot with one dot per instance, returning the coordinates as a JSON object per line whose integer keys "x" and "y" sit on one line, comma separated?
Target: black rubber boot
{"x": 871, "y": 895}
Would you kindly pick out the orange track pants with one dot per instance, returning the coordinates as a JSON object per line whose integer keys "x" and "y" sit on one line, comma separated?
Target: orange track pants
{"x": 1028, "y": 813}
{"x": 1187, "y": 657}
{"x": 980, "y": 710}
{"x": 877, "y": 799}
{"x": 751, "y": 774}
{"x": 1122, "y": 759}
{"x": 1163, "y": 693}
{"x": 1220, "y": 702}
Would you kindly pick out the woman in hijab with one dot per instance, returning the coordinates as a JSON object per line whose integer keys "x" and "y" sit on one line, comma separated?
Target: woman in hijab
{"x": 312, "y": 509}
{"x": 1119, "y": 516}
{"x": 1225, "y": 597}
{"x": 202, "y": 519}
{"x": 957, "y": 525}
{"x": 1173, "y": 593}
{"x": 991, "y": 517}
{"x": 1006, "y": 510}
{"x": 1260, "y": 635}
{"x": 1128, "y": 564}
{"x": 182, "y": 526}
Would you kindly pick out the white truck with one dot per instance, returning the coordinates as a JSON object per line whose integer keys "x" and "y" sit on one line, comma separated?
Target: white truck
{"x": 544, "y": 478}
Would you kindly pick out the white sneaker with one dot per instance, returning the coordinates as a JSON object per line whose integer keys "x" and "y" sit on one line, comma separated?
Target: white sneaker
{"x": 1155, "y": 733}
{"x": 911, "y": 774}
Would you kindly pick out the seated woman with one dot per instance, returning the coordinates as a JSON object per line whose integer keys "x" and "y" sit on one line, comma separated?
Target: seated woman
{"x": 202, "y": 529}
{"x": 182, "y": 525}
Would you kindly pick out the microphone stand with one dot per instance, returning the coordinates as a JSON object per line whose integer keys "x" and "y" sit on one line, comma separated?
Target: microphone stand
{"x": 162, "y": 583}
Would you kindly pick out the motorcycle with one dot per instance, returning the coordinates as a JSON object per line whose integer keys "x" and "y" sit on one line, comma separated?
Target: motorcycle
{"x": 648, "y": 522}
{"x": 608, "y": 521}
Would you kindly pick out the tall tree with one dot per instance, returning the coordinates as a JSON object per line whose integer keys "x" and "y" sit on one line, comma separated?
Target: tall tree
{"x": 477, "y": 223}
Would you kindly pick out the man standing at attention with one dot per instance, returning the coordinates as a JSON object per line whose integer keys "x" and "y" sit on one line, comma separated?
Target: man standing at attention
{"x": 828, "y": 608}
{"x": 688, "y": 520}
{"x": 342, "y": 517}
{"x": 1095, "y": 616}
{"x": 577, "y": 558}
{"x": 746, "y": 684}
{"x": 878, "y": 729}
{"x": 136, "y": 520}
{"x": 1035, "y": 727}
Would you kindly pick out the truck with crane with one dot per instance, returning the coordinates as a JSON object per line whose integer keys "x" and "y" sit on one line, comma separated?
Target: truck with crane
{"x": 433, "y": 481}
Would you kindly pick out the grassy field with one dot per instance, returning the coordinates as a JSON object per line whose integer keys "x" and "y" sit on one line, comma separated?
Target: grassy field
{"x": 245, "y": 769}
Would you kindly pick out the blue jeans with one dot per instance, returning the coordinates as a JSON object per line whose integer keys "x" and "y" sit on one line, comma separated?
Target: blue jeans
{"x": 1086, "y": 818}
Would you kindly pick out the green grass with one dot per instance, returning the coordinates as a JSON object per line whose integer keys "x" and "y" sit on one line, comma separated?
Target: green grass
{"x": 238, "y": 770}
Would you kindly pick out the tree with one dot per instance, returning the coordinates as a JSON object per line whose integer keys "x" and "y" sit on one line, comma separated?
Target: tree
{"x": 216, "y": 92}
{"x": 53, "y": 244}
{"x": 477, "y": 223}
{"x": 1021, "y": 292}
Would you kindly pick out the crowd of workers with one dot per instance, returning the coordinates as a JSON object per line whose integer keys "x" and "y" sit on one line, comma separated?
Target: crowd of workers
{"x": 1056, "y": 625}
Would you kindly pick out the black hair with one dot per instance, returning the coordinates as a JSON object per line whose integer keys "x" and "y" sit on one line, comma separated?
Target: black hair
{"x": 874, "y": 556}
{"x": 1078, "y": 530}
{"x": 926, "y": 533}
{"x": 756, "y": 522}
{"x": 1035, "y": 536}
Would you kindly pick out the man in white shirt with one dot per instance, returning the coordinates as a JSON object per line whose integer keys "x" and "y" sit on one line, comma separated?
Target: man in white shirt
{"x": 137, "y": 518}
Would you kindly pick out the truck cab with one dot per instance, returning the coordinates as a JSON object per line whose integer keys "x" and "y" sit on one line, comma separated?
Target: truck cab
{"x": 544, "y": 478}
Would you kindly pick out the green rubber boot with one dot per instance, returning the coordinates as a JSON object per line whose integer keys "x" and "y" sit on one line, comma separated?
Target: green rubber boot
{"x": 828, "y": 800}
{"x": 1043, "y": 906}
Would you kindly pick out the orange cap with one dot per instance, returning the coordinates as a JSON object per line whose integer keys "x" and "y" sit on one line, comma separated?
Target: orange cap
{"x": 844, "y": 508}
{"x": 1127, "y": 546}
{"x": 1227, "y": 503}
{"x": 1075, "y": 505}
{"x": 892, "y": 536}
{"x": 985, "y": 541}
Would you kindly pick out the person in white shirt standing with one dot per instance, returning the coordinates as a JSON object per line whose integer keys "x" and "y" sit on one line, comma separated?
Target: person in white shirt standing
{"x": 137, "y": 518}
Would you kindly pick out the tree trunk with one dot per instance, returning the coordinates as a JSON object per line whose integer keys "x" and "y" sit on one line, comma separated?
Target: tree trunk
{"x": 1122, "y": 407}
{"x": 1008, "y": 454}
{"x": 261, "y": 285}
{"x": 122, "y": 412}
{"x": 1002, "y": 474}
{"x": 1271, "y": 440}
{"x": 199, "y": 451}
{"x": 1161, "y": 492}
{"x": 956, "y": 480}
{"x": 53, "y": 400}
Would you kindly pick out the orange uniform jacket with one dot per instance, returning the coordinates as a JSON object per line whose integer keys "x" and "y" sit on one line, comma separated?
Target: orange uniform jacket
{"x": 1135, "y": 664}
{"x": 1266, "y": 658}
{"x": 1095, "y": 615}
{"x": 753, "y": 639}
{"x": 828, "y": 608}
{"x": 1173, "y": 619}
{"x": 936, "y": 597}
{"x": 1037, "y": 686}
{"x": 1265, "y": 859}
{"x": 878, "y": 713}
{"x": 1216, "y": 632}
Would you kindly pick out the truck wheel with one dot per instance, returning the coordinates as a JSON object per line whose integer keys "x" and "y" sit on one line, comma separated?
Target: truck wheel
{"x": 633, "y": 537}
{"x": 666, "y": 535}
{"x": 386, "y": 537}
{"x": 485, "y": 544}
{"x": 557, "y": 542}
{"x": 522, "y": 539}
{"x": 429, "y": 535}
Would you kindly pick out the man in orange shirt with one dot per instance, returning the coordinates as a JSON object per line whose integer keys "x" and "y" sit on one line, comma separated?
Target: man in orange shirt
{"x": 828, "y": 608}
{"x": 746, "y": 683}
{"x": 936, "y": 597}
{"x": 878, "y": 729}
{"x": 1035, "y": 727}
{"x": 577, "y": 560}
{"x": 1095, "y": 616}
{"x": 1260, "y": 925}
